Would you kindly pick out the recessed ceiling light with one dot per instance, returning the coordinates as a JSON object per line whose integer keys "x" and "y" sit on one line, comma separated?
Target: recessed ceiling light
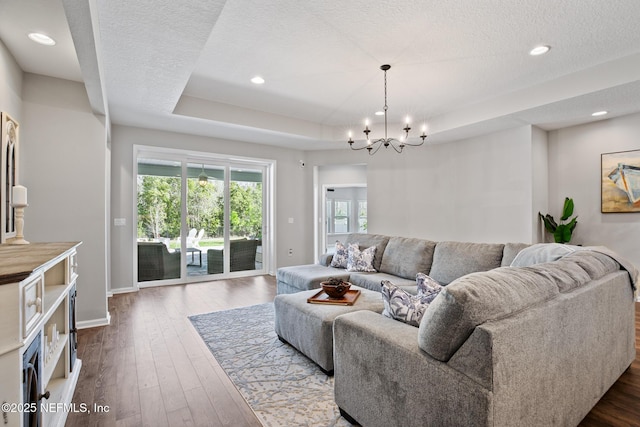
{"x": 379, "y": 113}
{"x": 42, "y": 39}
{"x": 599, "y": 113}
{"x": 539, "y": 50}
{"x": 257, "y": 80}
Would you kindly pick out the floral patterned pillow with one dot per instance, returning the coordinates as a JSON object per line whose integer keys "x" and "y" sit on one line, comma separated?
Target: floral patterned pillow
{"x": 358, "y": 260}
{"x": 401, "y": 305}
{"x": 340, "y": 256}
{"x": 428, "y": 286}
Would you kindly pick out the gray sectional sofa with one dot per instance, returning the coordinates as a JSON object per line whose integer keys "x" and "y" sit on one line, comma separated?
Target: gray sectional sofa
{"x": 399, "y": 259}
{"x": 529, "y": 345}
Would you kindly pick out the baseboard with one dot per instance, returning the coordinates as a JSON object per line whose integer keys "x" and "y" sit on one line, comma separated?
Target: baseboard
{"x": 85, "y": 324}
{"x": 122, "y": 290}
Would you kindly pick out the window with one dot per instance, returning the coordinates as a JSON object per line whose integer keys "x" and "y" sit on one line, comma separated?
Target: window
{"x": 341, "y": 213}
{"x": 362, "y": 216}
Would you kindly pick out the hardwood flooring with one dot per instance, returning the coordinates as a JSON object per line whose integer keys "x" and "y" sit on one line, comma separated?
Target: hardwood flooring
{"x": 150, "y": 367}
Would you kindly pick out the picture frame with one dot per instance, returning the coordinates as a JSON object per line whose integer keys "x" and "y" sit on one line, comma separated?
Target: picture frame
{"x": 620, "y": 181}
{"x": 9, "y": 175}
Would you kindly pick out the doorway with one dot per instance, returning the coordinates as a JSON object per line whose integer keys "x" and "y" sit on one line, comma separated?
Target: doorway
{"x": 201, "y": 217}
{"x": 345, "y": 213}
{"x": 340, "y": 204}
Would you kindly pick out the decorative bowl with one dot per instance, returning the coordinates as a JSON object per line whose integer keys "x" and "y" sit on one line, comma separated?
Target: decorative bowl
{"x": 335, "y": 290}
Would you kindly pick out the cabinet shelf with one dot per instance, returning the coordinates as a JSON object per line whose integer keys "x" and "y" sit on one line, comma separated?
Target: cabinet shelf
{"x": 61, "y": 390}
{"x": 50, "y": 366}
{"x": 53, "y": 296}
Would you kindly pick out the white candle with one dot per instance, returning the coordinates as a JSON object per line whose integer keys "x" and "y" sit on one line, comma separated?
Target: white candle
{"x": 19, "y": 195}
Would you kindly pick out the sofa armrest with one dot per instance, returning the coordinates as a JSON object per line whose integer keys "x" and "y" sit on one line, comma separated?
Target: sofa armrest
{"x": 325, "y": 259}
{"x": 381, "y": 374}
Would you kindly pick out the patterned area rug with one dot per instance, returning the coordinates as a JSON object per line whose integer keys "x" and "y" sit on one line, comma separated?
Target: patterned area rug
{"x": 282, "y": 386}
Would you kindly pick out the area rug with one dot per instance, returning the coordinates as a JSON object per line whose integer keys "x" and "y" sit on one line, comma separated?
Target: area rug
{"x": 282, "y": 387}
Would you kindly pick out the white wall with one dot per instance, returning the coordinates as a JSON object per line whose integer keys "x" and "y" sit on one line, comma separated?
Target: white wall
{"x": 478, "y": 189}
{"x": 574, "y": 171}
{"x": 291, "y": 181}
{"x": 62, "y": 163}
{"x": 540, "y": 182}
{"x": 64, "y": 159}
{"x": 10, "y": 84}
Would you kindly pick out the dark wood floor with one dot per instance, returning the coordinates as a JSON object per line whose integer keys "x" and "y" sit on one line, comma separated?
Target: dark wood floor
{"x": 150, "y": 367}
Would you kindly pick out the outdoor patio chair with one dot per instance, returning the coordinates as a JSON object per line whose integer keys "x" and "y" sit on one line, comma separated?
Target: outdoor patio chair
{"x": 243, "y": 256}
{"x": 155, "y": 262}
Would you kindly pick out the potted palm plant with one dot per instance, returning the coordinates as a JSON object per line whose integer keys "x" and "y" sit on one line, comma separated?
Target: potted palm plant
{"x": 563, "y": 231}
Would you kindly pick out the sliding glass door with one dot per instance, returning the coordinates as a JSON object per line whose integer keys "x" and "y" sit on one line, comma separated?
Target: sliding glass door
{"x": 159, "y": 186}
{"x": 200, "y": 218}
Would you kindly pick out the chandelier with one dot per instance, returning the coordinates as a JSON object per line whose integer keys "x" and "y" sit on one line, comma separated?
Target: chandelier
{"x": 397, "y": 144}
{"x": 203, "y": 179}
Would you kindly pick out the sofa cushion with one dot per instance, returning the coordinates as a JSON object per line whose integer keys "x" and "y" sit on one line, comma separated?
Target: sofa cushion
{"x": 360, "y": 260}
{"x": 595, "y": 264}
{"x": 403, "y": 306}
{"x": 566, "y": 274}
{"x": 304, "y": 277}
{"x": 367, "y": 240}
{"x": 340, "y": 256}
{"x": 405, "y": 257}
{"x": 372, "y": 281}
{"x": 510, "y": 251}
{"x": 478, "y": 298}
{"x": 452, "y": 260}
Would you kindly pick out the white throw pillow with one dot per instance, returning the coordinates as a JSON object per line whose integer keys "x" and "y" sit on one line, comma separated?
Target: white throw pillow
{"x": 340, "y": 256}
{"x": 404, "y": 307}
{"x": 401, "y": 305}
{"x": 428, "y": 286}
{"x": 360, "y": 260}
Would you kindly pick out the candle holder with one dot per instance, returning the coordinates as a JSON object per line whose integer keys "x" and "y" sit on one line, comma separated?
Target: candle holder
{"x": 19, "y": 239}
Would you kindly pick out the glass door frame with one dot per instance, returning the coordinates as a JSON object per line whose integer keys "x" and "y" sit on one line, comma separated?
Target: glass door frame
{"x": 186, "y": 157}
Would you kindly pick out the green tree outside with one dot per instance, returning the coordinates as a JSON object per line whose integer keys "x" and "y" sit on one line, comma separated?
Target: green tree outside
{"x": 159, "y": 207}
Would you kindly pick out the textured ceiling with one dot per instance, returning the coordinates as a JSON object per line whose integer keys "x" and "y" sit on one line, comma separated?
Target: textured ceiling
{"x": 460, "y": 66}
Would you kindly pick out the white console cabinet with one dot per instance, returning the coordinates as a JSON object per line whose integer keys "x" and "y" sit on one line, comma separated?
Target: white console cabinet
{"x": 38, "y": 365}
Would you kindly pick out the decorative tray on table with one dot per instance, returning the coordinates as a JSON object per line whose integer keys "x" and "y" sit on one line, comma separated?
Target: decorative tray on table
{"x": 347, "y": 299}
